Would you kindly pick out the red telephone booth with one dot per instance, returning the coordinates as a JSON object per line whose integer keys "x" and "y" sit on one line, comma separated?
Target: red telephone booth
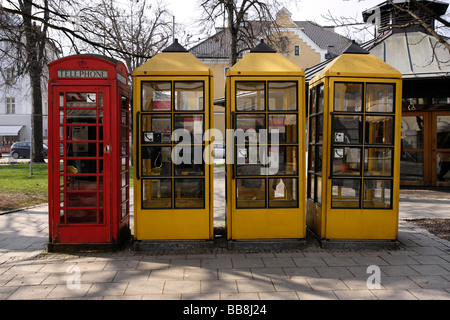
{"x": 89, "y": 203}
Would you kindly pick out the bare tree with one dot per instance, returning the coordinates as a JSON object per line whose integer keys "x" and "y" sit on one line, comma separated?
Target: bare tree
{"x": 27, "y": 42}
{"x": 246, "y": 21}
{"x": 419, "y": 13}
{"x": 132, "y": 33}
{"x": 133, "y": 36}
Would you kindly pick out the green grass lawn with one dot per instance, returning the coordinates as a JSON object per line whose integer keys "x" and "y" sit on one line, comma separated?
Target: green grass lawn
{"x": 18, "y": 190}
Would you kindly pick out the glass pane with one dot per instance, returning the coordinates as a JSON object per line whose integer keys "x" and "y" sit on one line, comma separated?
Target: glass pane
{"x": 319, "y": 128}
{"x": 311, "y": 185}
{"x": 81, "y": 199}
{"x": 377, "y": 193}
{"x": 250, "y": 96}
{"x": 286, "y": 126}
{"x": 312, "y": 129}
{"x": 319, "y": 152}
{"x": 347, "y": 129}
{"x": 81, "y": 150}
{"x": 156, "y": 161}
{"x": 287, "y": 160}
{"x": 312, "y": 158}
{"x": 347, "y": 161}
{"x": 348, "y": 97}
{"x": 251, "y": 124}
{"x": 443, "y": 132}
{"x": 82, "y": 166}
{"x": 81, "y": 216}
{"x": 81, "y": 99}
{"x": 378, "y": 162}
{"x": 251, "y": 193}
{"x": 412, "y": 132}
{"x": 189, "y": 193}
{"x": 192, "y": 125}
{"x": 319, "y": 189}
{"x": 81, "y": 116}
{"x": 380, "y": 98}
{"x": 345, "y": 193}
{"x": 188, "y": 160}
{"x": 443, "y": 166}
{"x": 379, "y": 130}
{"x": 313, "y": 100}
{"x": 189, "y": 96}
{"x": 411, "y": 166}
{"x": 282, "y": 95}
{"x": 156, "y": 96}
{"x": 157, "y": 193}
{"x": 320, "y": 99}
{"x": 156, "y": 128}
{"x": 283, "y": 193}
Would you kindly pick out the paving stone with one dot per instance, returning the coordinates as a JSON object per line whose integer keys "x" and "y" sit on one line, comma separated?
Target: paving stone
{"x": 182, "y": 286}
{"x": 431, "y": 282}
{"x": 257, "y": 285}
{"x": 248, "y": 263}
{"x": 430, "y": 294}
{"x": 200, "y": 274}
{"x": 327, "y": 284}
{"x": 278, "y": 262}
{"x": 218, "y": 286}
{"x": 107, "y": 289}
{"x": 239, "y": 296}
{"x": 317, "y": 295}
{"x": 355, "y": 295}
{"x": 278, "y": 296}
{"x": 145, "y": 287}
{"x": 393, "y": 295}
{"x": 31, "y": 292}
{"x": 430, "y": 269}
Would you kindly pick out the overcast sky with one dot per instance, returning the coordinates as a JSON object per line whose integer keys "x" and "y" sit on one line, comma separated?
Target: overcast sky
{"x": 311, "y": 10}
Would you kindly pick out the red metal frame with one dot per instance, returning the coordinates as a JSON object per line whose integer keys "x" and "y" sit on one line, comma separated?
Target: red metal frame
{"x": 90, "y": 204}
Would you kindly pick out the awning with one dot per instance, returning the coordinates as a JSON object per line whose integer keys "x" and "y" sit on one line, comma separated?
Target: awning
{"x": 10, "y": 130}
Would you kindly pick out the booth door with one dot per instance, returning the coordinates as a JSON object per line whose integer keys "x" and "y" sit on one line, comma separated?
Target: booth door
{"x": 172, "y": 188}
{"x": 266, "y": 167}
{"x": 83, "y": 173}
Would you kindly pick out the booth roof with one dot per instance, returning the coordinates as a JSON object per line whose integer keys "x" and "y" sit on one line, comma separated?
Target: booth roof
{"x": 265, "y": 63}
{"x": 172, "y": 63}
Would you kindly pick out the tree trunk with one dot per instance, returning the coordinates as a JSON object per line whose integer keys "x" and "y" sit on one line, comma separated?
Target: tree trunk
{"x": 33, "y": 37}
{"x": 229, "y": 7}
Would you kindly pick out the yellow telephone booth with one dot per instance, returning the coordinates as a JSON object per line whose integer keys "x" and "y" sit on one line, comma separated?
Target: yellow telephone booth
{"x": 354, "y": 149}
{"x": 265, "y": 150}
{"x": 173, "y": 181}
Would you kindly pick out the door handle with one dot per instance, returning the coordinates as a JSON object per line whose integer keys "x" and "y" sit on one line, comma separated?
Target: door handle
{"x": 107, "y": 149}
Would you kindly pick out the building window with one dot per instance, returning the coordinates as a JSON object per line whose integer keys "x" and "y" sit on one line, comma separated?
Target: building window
{"x": 284, "y": 43}
{"x": 9, "y": 74}
{"x": 10, "y": 105}
{"x": 297, "y": 50}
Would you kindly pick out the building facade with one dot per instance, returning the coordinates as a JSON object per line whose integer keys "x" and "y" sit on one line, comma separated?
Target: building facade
{"x": 411, "y": 48}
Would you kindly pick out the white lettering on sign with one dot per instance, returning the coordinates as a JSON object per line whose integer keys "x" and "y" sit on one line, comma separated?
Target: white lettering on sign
{"x": 82, "y": 74}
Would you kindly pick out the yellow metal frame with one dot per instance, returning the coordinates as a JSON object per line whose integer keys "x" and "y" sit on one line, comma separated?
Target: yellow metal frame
{"x": 355, "y": 224}
{"x": 265, "y": 223}
{"x": 174, "y": 224}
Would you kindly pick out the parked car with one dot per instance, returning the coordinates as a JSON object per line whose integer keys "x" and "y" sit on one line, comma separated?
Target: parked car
{"x": 219, "y": 151}
{"x": 22, "y": 150}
